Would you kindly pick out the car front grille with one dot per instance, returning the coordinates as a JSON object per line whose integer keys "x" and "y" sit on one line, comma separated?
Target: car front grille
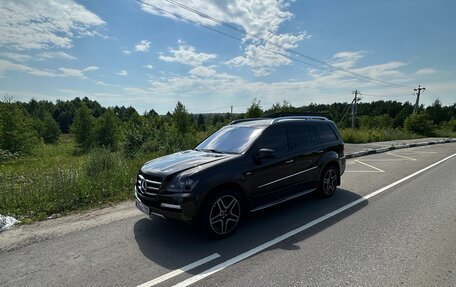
{"x": 148, "y": 185}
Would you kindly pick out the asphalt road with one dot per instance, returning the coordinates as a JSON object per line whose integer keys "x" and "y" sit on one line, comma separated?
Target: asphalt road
{"x": 391, "y": 223}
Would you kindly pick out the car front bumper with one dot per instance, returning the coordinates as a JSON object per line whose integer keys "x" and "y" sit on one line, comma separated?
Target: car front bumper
{"x": 180, "y": 206}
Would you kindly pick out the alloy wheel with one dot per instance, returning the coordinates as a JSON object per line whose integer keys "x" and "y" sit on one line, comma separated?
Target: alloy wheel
{"x": 330, "y": 181}
{"x": 225, "y": 214}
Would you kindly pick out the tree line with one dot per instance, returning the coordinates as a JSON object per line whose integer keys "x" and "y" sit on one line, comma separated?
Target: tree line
{"x": 25, "y": 125}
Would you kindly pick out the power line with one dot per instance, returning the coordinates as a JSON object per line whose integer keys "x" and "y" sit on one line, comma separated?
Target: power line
{"x": 355, "y": 76}
{"x": 231, "y": 36}
{"x": 233, "y": 27}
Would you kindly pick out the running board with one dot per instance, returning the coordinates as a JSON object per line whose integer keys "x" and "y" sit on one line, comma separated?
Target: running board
{"x": 283, "y": 199}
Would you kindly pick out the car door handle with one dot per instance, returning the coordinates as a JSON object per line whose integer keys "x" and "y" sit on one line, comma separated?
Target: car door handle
{"x": 289, "y": 161}
{"x": 320, "y": 151}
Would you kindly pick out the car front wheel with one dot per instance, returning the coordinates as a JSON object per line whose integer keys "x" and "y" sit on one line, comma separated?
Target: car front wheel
{"x": 222, "y": 214}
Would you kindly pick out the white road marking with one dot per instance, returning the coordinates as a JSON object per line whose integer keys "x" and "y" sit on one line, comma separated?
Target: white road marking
{"x": 291, "y": 233}
{"x": 180, "y": 271}
{"x": 386, "y": 159}
{"x": 371, "y": 166}
{"x": 402, "y": 156}
{"x": 418, "y": 151}
{"x": 374, "y": 171}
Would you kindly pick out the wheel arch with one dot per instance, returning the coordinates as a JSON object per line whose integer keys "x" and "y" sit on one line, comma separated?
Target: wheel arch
{"x": 225, "y": 186}
{"x": 329, "y": 159}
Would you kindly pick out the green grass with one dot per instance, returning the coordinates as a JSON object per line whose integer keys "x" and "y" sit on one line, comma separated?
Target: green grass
{"x": 375, "y": 135}
{"x": 56, "y": 180}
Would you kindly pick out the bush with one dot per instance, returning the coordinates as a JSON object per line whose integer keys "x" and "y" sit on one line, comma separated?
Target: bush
{"x": 50, "y": 131}
{"x": 452, "y": 125}
{"x": 376, "y": 122}
{"x": 107, "y": 131}
{"x": 375, "y": 135}
{"x": 419, "y": 123}
{"x": 17, "y": 134}
{"x": 6, "y": 155}
{"x": 82, "y": 128}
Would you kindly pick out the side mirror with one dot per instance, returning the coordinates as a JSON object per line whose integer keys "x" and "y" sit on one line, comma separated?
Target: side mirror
{"x": 265, "y": 153}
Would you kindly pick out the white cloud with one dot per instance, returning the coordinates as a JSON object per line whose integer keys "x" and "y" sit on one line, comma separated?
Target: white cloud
{"x": 44, "y": 24}
{"x": 142, "y": 46}
{"x": 346, "y": 60}
{"x": 149, "y": 66}
{"x": 67, "y": 72}
{"x": 426, "y": 71}
{"x": 218, "y": 89}
{"x": 187, "y": 55}
{"x": 122, "y": 73}
{"x": 91, "y": 68}
{"x": 60, "y": 72}
{"x": 16, "y": 56}
{"x": 264, "y": 58}
{"x": 126, "y": 52}
{"x": 203, "y": 71}
{"x": 9, "y": 66}
{"x": 55, "y": 55}
{"x": 262, "y": 19}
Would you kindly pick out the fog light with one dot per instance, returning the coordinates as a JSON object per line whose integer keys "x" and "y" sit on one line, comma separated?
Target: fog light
{"x": 173, "y": 206}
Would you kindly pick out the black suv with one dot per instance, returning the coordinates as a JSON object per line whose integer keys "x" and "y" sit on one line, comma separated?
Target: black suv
{"x": 244, "y": 167}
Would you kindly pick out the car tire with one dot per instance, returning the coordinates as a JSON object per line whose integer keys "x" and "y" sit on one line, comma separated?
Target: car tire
{"x": 222, "y": 213}
{"x": 327, "y": 184}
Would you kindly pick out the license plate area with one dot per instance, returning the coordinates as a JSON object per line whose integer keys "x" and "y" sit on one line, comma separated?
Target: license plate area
{"x": 142, "y": 207}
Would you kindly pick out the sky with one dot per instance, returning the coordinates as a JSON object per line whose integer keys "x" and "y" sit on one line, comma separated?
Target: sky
{"x": 214, "y": 54}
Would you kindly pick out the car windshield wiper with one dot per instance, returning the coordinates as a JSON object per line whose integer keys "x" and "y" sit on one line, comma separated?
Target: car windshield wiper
{"x": 212, "y": 150}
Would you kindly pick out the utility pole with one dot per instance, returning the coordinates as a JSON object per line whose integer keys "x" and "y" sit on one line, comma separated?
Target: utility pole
{"x": 418, "y": 92}
{"x": 231, "y": 110}
{"x": 355, "y": 107}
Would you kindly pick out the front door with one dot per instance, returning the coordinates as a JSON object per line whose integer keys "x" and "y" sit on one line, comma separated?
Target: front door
{"x": 269, "y": 176}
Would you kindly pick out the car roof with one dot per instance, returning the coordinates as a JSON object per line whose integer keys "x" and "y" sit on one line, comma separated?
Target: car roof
{"x": 262, "y": 122}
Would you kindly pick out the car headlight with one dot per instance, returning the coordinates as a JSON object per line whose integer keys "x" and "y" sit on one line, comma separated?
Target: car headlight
{"x": 182, "y": 183}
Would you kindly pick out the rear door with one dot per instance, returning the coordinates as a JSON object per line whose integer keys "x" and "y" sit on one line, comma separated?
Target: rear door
{"x": 304, "y": 143}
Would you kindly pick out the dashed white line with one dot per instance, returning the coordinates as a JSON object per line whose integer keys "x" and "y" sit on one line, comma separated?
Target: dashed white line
{"x": 402, "y": 156}
{"x": 291, "y": 233}
{"x": 179, "y": 271}
{"x": 368, "y": 165}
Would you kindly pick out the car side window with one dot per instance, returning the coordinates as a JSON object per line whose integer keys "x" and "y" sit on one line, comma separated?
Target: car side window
{"x": 302, "y": 136}
{"x": 275, "y": 139}
{"x": 326, "y": 133}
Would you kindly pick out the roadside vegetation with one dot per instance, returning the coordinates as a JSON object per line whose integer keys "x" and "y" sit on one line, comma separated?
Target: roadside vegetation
{"x": 73, "y": 155}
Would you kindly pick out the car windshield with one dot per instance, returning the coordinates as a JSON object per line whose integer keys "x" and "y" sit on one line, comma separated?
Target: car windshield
{"x": 230, "y": 139}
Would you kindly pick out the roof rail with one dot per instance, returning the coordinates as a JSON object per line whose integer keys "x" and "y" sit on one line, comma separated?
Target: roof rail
{"x": 276, "y": 120}
{"x": 246, "y": 120}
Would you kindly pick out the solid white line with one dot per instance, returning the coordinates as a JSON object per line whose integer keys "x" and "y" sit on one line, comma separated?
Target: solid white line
{"x": 291, "y": 233}
{"x": 371, "y": 166}
{"x": 371, "y": 171}
{"x": 386, "y": 160}
{"x": 180, "y": 271}
{"x": 398, "y": 155}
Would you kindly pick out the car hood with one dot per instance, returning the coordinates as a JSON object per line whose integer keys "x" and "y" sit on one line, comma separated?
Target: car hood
{"x": 180, "y": 161}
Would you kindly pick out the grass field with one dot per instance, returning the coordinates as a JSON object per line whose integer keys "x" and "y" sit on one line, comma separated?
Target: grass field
{"x": 55, "y": 180}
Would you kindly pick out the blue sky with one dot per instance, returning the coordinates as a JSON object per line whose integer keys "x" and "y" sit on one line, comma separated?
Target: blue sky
{"x": 124, "y": 52}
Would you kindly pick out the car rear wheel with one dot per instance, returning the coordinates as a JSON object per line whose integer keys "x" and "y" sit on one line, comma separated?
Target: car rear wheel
{"x": 328, "y": 181}
{"x": 222, "y": 214}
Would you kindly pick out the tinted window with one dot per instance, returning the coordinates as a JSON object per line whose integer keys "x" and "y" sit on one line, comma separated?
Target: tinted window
{"x": 302, "y": 135}
{"x": 230, "y": 139}
{"x": 276, "y": 139}
{"x": 325, "y": 133}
